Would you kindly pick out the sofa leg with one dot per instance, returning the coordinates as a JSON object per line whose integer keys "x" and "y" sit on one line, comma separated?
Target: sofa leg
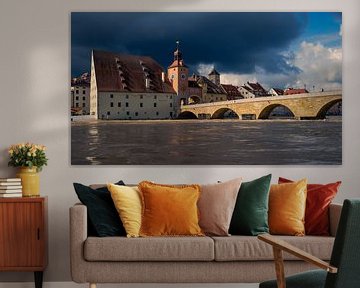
{"x": 92, "y": 285}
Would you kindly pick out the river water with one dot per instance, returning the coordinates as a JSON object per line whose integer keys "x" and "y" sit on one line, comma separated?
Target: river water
{"x": 207, "y": 142}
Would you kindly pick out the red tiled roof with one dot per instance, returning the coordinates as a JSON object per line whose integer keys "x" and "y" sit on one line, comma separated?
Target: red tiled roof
{"x": 212, "y": 88}
{"x": 291, "y": 91}
{"x": 257, "y": 87}
{"x": 278, "y": 91}
{"x": 128, "y": 73}
{"x": 231, "y": 89}
{"x": 247, "y": 88}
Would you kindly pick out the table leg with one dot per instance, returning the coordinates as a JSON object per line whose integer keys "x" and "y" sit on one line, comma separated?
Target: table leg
{"x": 38, "y": 279}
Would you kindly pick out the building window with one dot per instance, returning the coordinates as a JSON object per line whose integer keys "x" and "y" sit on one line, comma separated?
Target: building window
{"x": 77, "y": 105}
{"x": 77, "y": 91}
{"x": 171, "y": 114}
{"x": 111, "y": 104}
{"x": 108, "y": 113}
{"x": 127, "y": 113}
{"x": 127, "y": 104}
{"x": 119, "y": 104}
{"x": 127, "y": 97}
{"x": 157, "y": 113}
{"x": 170, "y": 104}
{"x": 141, "y": 104}
{"x": 83, "y": 105}
{"x": 155, "y": 97}
{"x": 154, "y": 104}
{"x": 77, "y": 97}
{"x": 111, "y": 95}
{"x": 84, "y": 98}
{"x": 141, "y": 96}
{"x": 136, "y": 113}
{"x": 83, "y": 91}
{"x": 170, "y": 96}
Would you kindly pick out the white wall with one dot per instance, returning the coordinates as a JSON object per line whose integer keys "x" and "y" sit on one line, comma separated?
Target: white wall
{"x": 34, "y": 106}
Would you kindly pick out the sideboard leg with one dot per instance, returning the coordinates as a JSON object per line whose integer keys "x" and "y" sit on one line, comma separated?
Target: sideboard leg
{"x": 92, "y": 285}
{"x": 38, "y": 279}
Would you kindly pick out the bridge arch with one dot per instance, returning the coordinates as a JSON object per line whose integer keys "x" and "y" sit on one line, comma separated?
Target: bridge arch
{"x": 194, "y": 99}
{"x": 265, "y": 113}
{"x": 224, "y": 112}
{"x": 325, "y": 108}
{"x": 187, "y": 115}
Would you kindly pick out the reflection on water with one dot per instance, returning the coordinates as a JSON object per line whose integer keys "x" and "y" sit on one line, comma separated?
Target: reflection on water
{"x": 206, "y": 142}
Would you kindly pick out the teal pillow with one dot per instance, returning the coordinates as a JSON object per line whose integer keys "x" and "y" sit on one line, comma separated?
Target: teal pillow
{"x": 103, "y": 219}
{"x": 250, "y": 216}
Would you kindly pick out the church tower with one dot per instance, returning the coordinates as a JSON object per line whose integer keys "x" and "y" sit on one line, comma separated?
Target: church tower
{"x": 214, "y": 76}
{"x": 178, "y": 74}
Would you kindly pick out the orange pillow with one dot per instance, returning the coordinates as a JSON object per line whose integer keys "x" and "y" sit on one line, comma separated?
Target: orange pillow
{"x": 318, "y": 200}
{"x": 287, "y": 204}
{"x": 169, "y": 210}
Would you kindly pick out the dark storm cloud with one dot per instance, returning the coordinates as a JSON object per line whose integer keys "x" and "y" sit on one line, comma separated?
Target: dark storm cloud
{"x": 234, "y": 42}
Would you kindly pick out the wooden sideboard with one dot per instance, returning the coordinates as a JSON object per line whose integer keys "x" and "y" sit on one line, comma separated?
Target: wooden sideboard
{"x": 23, "y": 235}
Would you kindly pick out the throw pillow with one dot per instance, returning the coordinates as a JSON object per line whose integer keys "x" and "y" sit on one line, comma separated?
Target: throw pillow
{"x": 250, "y": 215}
{"x": 169, "y": 210}
{"x": 287, "y": 208}
{"x": 102, "y": 215}
{"x": 127, "y": 201}
{"x": 216, "y": 206}
{"x": 319, "y": 197}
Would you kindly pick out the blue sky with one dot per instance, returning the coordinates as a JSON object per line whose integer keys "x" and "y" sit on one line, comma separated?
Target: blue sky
{"x": 273, "y": 47}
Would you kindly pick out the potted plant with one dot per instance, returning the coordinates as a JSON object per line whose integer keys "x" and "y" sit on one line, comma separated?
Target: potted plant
{"x": 30, "y": 158}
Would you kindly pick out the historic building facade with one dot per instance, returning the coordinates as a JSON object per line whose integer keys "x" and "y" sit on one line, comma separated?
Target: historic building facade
{"x": 80, "y": 95}
{"x": 129, "y": 87}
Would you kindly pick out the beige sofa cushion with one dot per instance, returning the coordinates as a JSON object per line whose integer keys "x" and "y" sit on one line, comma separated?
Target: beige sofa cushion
{"x": 243, "y": 248}
{"x": 149, "y": 249}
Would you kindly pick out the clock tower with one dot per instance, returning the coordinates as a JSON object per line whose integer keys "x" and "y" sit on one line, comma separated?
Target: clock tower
{"x": 178, "y": 74}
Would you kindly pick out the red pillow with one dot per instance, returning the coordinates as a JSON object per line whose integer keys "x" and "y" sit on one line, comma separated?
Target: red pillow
{"x": 319, "y": 197}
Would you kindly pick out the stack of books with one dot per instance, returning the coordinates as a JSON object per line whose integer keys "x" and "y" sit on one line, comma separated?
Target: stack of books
{"x": 10, "y": 187}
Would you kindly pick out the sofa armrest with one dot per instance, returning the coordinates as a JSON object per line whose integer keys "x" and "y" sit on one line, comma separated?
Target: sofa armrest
{"x": 78, "y": 235}
{"x": 334, "y": 217}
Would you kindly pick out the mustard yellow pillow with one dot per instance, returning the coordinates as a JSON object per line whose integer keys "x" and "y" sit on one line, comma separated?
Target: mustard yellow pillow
{"x": 127, "y": 201}
{"x": 287, "y": 204}
{"x": 169, "y": 210}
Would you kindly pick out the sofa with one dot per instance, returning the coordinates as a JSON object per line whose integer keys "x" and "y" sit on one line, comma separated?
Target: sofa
{"x": 233, "y": 259}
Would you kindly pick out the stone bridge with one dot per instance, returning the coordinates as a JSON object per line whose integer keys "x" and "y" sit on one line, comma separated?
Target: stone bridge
{"x": 302, "y": 106}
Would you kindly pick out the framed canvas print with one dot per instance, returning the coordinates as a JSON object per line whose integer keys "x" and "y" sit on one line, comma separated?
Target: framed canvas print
{"x": 244, "y": 88}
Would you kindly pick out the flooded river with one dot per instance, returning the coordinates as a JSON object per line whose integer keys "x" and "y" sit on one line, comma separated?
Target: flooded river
{"x": 206, "y": 142}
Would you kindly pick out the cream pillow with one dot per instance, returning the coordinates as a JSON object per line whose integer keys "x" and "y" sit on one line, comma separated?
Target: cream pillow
{"x": 127, "y": 201}
{"x": 216, "y": 206}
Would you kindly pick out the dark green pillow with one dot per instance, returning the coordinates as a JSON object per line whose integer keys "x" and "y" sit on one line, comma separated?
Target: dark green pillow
{"x": 250, "y": 216}
{"x": 103, "y": 218}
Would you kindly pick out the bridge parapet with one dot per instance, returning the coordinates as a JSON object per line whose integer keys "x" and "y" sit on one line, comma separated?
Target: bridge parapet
{"x": 306, "y": 105}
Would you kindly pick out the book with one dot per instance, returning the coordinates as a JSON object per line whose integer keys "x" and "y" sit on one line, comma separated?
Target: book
{"x": 10, "y": 180}
{"x": 2, "y": 195}
{"x": 10, "y": 191}
{"x": 10, "y": 188}
{"x": 9, "y": 183}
